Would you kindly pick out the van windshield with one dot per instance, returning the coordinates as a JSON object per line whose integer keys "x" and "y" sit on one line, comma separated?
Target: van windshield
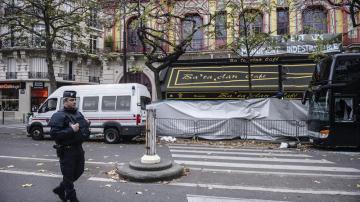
{"x": 49, "y": 105}
{"x": 144, "y": 101}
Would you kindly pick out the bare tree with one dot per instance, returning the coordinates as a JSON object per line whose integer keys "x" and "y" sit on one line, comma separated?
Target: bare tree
{"x": 168, "y": 29}
{"x": 58, "y": 23}
{"x": 249, "y": 36}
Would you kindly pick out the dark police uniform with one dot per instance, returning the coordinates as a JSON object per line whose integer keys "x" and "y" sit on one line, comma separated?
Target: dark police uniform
{"x": 69, "y": 147}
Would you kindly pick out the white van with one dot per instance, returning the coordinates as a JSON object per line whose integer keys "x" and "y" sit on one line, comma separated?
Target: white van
{"x": 116, "y": 110}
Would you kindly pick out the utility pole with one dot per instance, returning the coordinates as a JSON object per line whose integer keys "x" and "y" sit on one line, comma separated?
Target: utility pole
{"x": 124, "y": 43}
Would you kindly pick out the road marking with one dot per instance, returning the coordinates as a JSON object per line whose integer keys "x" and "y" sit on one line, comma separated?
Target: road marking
{"x": 226, "y": 148}
{"x": 274, "y": 173}
{"x": 200, "y": 198}
{"x": 52, "y": 175}
{"x": 56, "y": 160}
{"x": 238, "y": 153}
{"x": 31, "y": 173}
{"x": 250, "y": 158}
{"x": 100, "y": 179}
{"x": 266, "y": 166}
{"x": 266, "y": 189}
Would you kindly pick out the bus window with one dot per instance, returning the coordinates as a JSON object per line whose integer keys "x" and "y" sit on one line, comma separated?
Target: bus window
{"x": 344, "y": 109}
{"x": 319, "y": 107}
{"x": 347, "y": 69}
{"x": 322, "y": 71}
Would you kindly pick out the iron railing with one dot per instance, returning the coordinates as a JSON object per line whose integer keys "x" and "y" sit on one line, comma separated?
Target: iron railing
{"x": 94, "y": 79}
{"x": 38, "y": 75}
{"x": 67, "y": 77}
{"x": 11, "y": 75}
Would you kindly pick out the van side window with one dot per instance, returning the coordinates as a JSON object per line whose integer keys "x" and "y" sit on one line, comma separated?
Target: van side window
{"x": 144, "y": 101}
{"x": 62, "y": 102}
{"x": 123, "y": 103}
{"x": 91, "y": 103}
{"x": 49, "y": 105}
{"x": 108, "y": 103}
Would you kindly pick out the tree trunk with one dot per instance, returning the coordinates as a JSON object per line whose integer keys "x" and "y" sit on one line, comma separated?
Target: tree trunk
{"x": 50, "y": 63}
{"x": 249, "y": 77}
{"x": 157, "y": 85}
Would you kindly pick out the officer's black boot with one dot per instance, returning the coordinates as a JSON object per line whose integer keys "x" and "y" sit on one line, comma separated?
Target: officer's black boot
{"x": 60, "y": 191}
{"x": 72, "y": 196}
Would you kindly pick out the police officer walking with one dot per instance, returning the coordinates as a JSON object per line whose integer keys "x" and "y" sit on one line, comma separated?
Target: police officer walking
{"x": 69, "y": 129}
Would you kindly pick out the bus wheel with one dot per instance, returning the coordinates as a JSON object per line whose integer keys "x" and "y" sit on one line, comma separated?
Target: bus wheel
{"x": 36, "y": 133}
{"x": 111, "y": 136}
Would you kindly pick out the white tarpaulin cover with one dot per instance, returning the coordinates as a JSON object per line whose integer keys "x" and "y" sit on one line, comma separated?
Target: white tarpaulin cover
{"x": 264, "y": 118}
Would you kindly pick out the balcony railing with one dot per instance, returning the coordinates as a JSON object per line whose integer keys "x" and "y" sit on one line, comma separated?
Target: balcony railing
{"x": 11, "y": 75}
{"x": 67, "y": 77}
{"x": 352, "y": 37}
{"x": 38, "y": 75}
{"x": 29, "y": 42}
{"x": 94, "y": 79}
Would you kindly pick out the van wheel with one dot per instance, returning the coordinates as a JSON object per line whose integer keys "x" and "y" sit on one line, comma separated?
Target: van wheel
{"x": 36, "y": 133}
{"x": 111, "y": 136}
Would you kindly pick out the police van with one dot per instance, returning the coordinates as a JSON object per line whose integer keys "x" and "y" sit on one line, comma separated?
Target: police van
{"x": 117, "y": 111}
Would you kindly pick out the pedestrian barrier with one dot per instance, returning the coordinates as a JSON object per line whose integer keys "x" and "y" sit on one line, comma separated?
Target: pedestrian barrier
{"x": 231, "y": 128}
{"x": 8, "y": 117}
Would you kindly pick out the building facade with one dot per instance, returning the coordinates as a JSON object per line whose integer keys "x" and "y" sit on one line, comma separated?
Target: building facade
{"x": 24, "y": 82}
{"x": 211, "y": 70}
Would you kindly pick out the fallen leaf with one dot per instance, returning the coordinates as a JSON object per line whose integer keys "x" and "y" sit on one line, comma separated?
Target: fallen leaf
{"x": 26, "y": 185}
{"x": 316, "y": 181}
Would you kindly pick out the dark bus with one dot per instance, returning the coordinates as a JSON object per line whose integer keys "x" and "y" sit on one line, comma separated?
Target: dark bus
{"x": 334, "y": 101}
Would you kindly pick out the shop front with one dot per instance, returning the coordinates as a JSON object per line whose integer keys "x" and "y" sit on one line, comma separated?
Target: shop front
{"x": 9, "y": 95}
{"x": 223, "y": 79}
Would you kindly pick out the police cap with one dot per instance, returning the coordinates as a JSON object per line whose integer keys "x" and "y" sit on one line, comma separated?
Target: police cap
{"x": 69, "y": 93}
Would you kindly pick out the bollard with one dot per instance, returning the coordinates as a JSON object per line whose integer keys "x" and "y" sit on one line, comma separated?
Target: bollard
{"x": 150, "y": 156}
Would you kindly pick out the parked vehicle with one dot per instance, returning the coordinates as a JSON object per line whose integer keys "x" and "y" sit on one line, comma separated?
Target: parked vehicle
{"x": 115, "y": 110}
{"x": 334, "y": 101}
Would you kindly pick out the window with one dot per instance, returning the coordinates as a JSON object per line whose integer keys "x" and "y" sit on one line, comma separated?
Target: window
{"x": 108, "y": 103}
{"x": 90, "y": 103}
{"x": 347, "y": 69}
{"x": 123, "y": 103}
{"x": 252, "y": 21}
{"x": 282, "y": 21}
{"x": 344, "y": 109}
{"x": 9, "y": 99}
{"x": 116, "y": 103}
{"x": 220, "y": 29}
{"x": 188, "y": 26}
{"x": 93, "y": 44}
{"x": 133, "y": 41}
{"x": 314, "y": 21}
{"x": 62, "y": 103}
{"x": 49, "y": 105}
{"x": 144, "y": 101}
